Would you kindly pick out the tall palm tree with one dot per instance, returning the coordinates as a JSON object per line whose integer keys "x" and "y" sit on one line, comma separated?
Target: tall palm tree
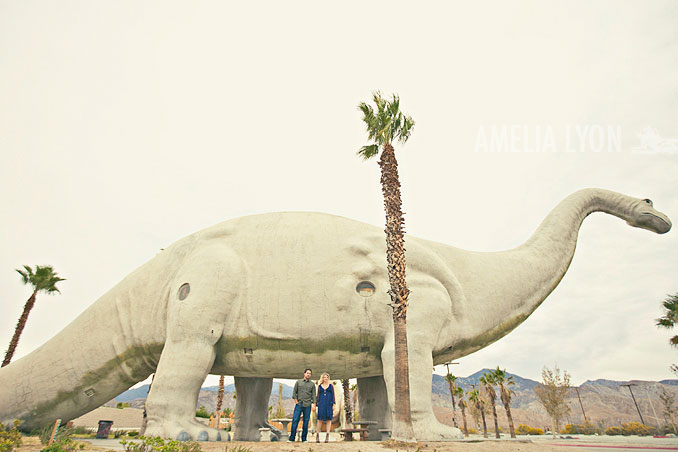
{"x": 451, "y": 382}
{"x": 504, "y": 382}
{"x": 220, "y": 394}
{"x": 488, "y": 385}
{"x": 385, "y": 125}
{"x": 44, "y": 279}
{"x": 459, "y": 392}
{"x": 475, "y": 398}
{"x": 347, "y": 402}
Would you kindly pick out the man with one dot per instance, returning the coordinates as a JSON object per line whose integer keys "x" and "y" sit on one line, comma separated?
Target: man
{"x": 304, "y": 402}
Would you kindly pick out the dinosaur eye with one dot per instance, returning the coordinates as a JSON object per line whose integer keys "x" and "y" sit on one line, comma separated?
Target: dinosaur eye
{"x": 649, "y": 201}
{"x": 184, "y": 290}
{"x": 365, "y": 289}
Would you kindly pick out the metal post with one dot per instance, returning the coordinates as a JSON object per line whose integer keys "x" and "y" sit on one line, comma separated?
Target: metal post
{"x": 634, "y": 401}
{"x": 581, "y": 405}
{"x": 649, "y": 399}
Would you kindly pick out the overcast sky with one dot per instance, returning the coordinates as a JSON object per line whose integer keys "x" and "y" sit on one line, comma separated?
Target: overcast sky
{"x": 126, "y": 125}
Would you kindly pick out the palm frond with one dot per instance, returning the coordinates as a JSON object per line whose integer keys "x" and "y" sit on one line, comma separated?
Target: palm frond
{"x": 367, "y": 152}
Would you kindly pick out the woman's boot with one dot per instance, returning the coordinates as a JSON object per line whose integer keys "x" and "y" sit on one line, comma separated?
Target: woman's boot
{"x": 327, "y": 437}
{"x": 317, "y": 437}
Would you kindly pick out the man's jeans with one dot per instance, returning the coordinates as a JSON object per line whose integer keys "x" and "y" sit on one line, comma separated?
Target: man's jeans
{"x": 298, "y": 410}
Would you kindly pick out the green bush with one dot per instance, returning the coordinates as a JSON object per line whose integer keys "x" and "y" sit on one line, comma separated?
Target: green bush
{"x": 157, "y": 444}
{"x": 527, "y": 430}
{"x": 202, "y": 412}
{"x": 9, "y": 437}
{"x": 133, "y": 433}
{"x": 613, "y": 431}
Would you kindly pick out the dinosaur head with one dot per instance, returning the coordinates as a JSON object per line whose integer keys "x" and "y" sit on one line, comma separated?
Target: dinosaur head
{"x": 643, "y": 215}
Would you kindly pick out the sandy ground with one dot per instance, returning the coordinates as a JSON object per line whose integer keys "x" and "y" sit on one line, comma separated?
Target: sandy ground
{"x": 526, "y": 444}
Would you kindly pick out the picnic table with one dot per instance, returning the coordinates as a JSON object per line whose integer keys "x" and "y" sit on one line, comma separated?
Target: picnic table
{"x": 284, "y": 436}
{"x": 369, "y": 426}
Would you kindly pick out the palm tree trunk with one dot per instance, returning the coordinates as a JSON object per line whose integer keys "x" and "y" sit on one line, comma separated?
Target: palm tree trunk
{"x": 482, "y": 414}
{"x": 395, "y": 259}
{"x": 496, "y": 424}
{"x": 510, "y": 420}
{"x": 19, "y": 329}
{"x": 347, "y": 402}
{"x": 463, "y": 417}
{"x": 454, "y": 405}
{"x": 220, "y": 394}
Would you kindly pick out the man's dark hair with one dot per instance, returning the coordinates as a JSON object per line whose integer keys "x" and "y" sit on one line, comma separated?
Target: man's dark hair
{"x": 308, "y": 369}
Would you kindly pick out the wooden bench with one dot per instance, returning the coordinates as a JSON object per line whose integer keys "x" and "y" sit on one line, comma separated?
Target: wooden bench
{"x": 347, "y": 433}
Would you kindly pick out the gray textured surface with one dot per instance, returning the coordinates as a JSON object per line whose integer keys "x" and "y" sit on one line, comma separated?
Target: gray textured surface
{"x": 272, "y": 294}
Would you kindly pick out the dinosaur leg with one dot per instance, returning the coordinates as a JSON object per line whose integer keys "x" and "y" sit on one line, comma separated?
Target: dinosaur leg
{"x": 196, "y": 316}
{"x": 251, "y": 408}
{"x": 424, "y": 423}
{"x": 373, "y": 400}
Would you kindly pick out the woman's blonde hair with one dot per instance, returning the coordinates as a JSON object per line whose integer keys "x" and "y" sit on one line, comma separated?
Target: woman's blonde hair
{"x": 320, "y": 381}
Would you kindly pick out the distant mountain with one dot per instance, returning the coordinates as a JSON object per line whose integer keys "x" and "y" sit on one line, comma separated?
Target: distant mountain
{"x": 605, "y": 402}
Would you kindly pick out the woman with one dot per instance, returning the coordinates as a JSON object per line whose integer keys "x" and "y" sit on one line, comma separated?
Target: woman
{"x": 324, "y": 406}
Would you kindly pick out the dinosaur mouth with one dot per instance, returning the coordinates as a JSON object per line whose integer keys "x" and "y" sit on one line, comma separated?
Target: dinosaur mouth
{"x": 667, "y": 223}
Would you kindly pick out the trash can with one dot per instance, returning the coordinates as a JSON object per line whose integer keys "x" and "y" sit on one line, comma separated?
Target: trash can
{"x": 104, "y": 429}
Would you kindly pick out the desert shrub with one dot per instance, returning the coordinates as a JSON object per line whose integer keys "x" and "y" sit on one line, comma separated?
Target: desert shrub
{"x": 9, "y": 437}
{"x": 472, "y": 431}
{"x": 45, "y": 432}
{"x": 202, "y": 412}
{"x": 157, "y": 444}
{"x": 64, "y": 445}
{"x": 527, "y": 430}
{"x": 581, "y": 429}
{"x": 133, "y": 433}
{"x": 613, "y": 431}
{"x": 636, "y": 428}
{"x": 81, "y": 430}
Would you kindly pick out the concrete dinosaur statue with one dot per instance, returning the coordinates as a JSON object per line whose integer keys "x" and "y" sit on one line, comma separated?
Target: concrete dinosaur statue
{"x": 267, "y": 295}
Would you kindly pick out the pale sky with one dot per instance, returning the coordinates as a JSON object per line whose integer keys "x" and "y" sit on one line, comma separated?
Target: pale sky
{"x": 126, "y": 125}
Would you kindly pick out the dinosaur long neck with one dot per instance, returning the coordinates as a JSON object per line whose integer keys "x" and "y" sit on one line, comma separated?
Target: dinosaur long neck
{"x": 503, "y": 288}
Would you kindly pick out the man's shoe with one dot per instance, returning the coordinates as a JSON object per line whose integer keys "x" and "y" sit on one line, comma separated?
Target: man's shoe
{"x": 290, "y": 439}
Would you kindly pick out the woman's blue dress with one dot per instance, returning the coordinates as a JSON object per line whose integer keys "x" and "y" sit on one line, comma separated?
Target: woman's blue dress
{"x": 325, "y": 402}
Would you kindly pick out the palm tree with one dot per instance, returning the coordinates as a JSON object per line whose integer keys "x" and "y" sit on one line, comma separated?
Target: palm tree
{"x": 220, "y": 393}
{"x": 670, "y": 317}
{"x": 385, "y": 125}
{"x": 459, "y": 392}
{"x": 451, "y": 382}
{"x": 347, "y": 402}
{"x": 488, "y": 385}
{"x": 479, "y": 403}
{"x": 43, "y": 279}
{"x": 504, "y": 382}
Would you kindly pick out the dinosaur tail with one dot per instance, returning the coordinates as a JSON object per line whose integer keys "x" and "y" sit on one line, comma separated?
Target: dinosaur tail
{"x": 100, "y": 354}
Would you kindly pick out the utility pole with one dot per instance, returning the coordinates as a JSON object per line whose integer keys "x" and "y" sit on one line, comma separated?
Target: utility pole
{"x": 454, "y": 405}
{"x": 581, "y": 405}
{"x": 628, "y": 385}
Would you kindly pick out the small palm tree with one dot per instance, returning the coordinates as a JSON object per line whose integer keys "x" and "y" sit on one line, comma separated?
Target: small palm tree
{"x": 220, "y": 394}
{"x": 44, "y": 279}
{"x": 385, "y": 125}
{"x": 488, "y": 385}
{"x": 459, "y": 392}
{"x": 354, "y": 390}
{"x": 505, "y": 381}
{"x": 451, "y": 382}
{"x": 347, "y": 401}
{"x": 477, "y": 400}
